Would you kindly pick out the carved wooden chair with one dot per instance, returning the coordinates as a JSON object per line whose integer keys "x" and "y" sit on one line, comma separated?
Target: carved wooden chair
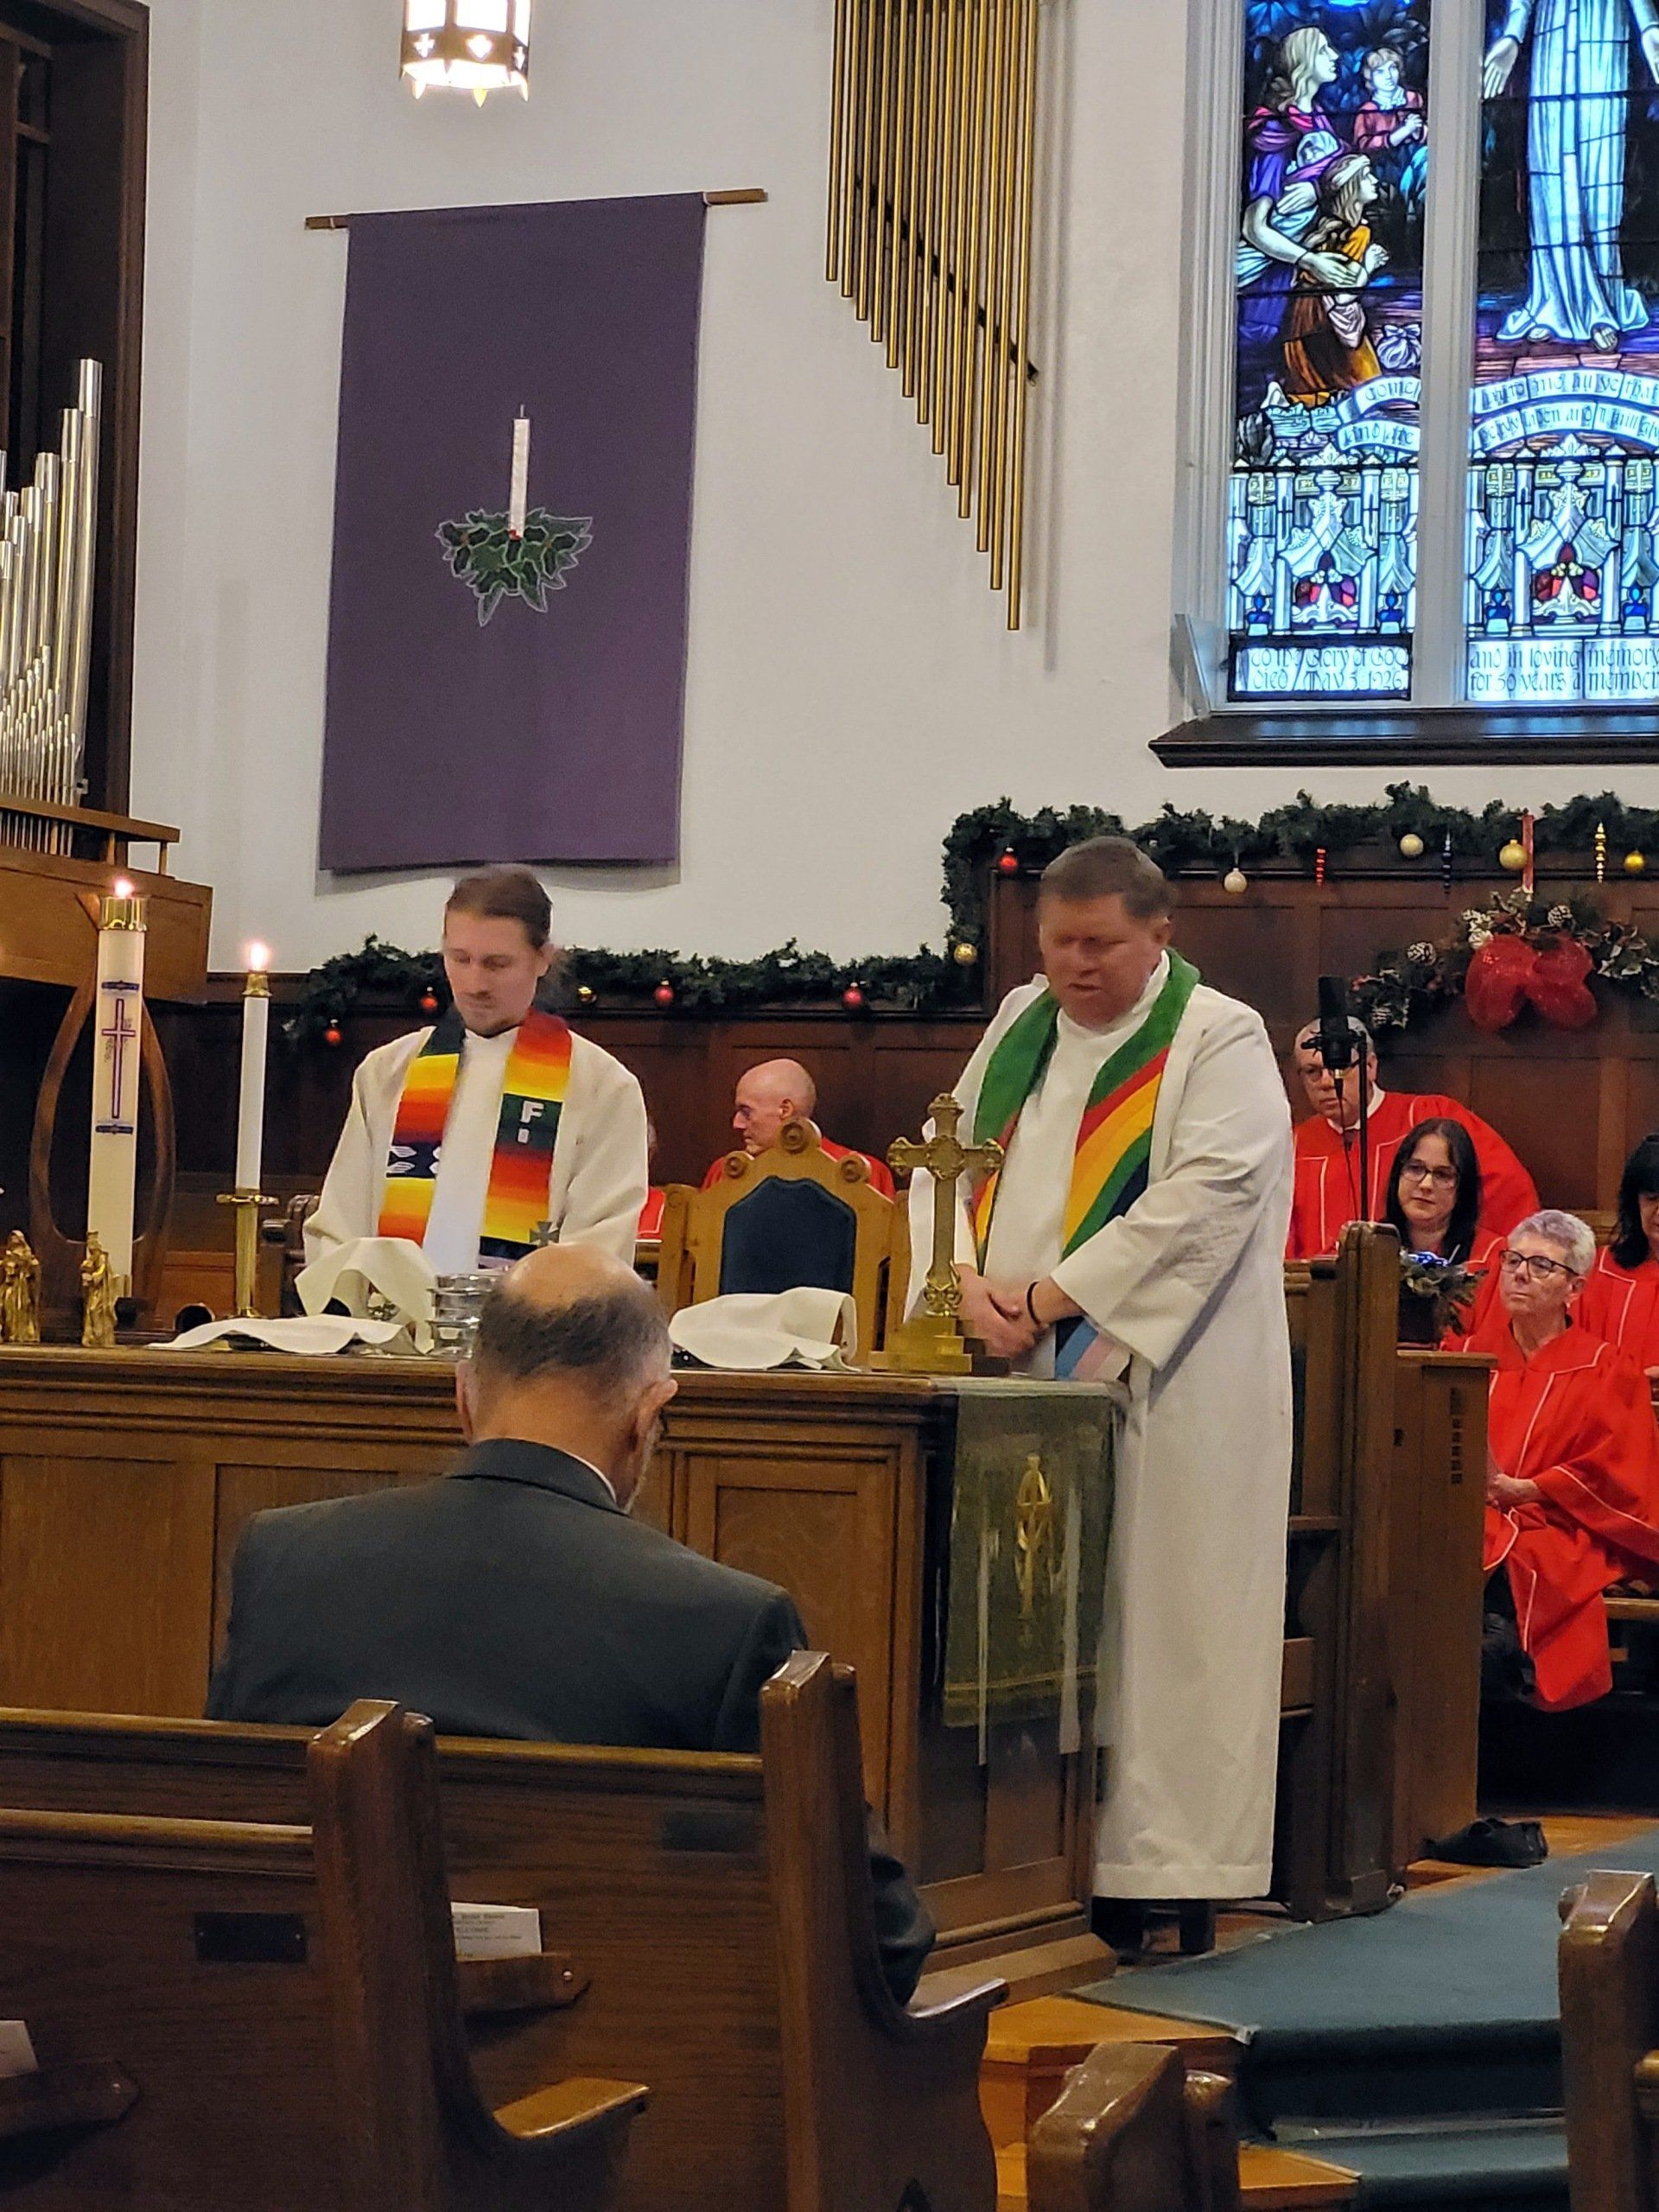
{"x": 708, "y": 1926}
{"x": 1133, "y": 2132}
{"x": 268, "y": 2015}
{"x": 789, "y": 1217}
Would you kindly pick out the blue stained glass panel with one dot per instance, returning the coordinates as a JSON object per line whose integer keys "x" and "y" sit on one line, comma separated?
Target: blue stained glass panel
{"x": 1563, "y": 562}
{"x": 1322, "y": 516}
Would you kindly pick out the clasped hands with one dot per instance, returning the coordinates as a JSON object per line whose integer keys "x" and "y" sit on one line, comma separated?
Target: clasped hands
{"x": 1505, "y": 1490}
{"x": 1009, "y": 1318}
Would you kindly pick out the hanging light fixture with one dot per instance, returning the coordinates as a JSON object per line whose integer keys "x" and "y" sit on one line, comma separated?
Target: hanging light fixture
{"x": 479, "y": 46}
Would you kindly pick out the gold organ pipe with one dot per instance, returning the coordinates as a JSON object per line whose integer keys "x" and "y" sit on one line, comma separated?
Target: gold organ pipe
{"x": 949, "y": 118}
{"x": 904, "y": 355}
{"x": 928, "y": 260}
{"x": 997, "y": 132}
{"x": 963, "y": 165}
{"x": 962, "y": 474}
{"x": 856, "y": 282}
{"x": 879, "y": 228}
{"x": 1003, "y": 427}
{"x": 897, "y": 224}
{"x": 1022, "y": 312}
{"x": 832, "y": 266}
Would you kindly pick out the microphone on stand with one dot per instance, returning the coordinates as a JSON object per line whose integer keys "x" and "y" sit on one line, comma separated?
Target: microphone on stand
{"x": 1341, "y": 1047}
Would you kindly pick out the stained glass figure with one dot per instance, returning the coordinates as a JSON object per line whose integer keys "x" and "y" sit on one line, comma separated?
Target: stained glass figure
{"x": 1562, "y": 558}
{"x": 1328, "y": 272}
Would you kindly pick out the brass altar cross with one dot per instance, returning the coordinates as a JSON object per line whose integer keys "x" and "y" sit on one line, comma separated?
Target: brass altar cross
{"x": 930, "y": 1342}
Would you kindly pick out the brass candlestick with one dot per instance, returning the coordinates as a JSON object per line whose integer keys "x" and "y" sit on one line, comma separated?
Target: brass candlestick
{"x": 249, "y": 1205}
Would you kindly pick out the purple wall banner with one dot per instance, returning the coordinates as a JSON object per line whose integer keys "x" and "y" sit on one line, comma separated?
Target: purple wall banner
{"x": 512, "y": 521}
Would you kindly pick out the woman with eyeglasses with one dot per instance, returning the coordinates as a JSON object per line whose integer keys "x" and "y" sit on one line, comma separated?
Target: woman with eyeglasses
{"x": 1621, "y": 1299}
{"x": 1433, "y": 1204}
{"x": 1572, "y": 1474}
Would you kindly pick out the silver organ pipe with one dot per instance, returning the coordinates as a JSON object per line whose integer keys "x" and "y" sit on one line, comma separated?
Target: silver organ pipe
{"x": 48, "y": 544}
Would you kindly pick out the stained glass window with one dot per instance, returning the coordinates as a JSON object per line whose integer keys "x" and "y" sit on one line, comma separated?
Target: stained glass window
{"x": 1323, "y": 506}
{"x": 1565, "y": 423}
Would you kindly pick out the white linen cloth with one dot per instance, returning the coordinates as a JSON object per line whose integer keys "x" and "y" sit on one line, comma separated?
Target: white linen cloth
{"x": 387, "y": 1267}
{"x": 754, "y": 1329}
{"x": 319, "y": 1334}
{"x": 596, "y": 1187}
{"x": 1190, "y": 1283}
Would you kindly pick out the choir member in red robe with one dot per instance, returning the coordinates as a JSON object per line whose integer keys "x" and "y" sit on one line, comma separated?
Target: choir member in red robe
{"x": 1328, "y": 1195}
{"x": 778, "y": 1091}
{"x": 1433, "y": 1205}
{"x": 1621, "y": 1299}
{"x": 1572, "y": 1472}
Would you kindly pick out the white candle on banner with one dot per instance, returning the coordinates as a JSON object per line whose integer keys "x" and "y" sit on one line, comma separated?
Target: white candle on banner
{"x": 518, "y": 498}
{"x": 118, "y": 1038}
{"x": 255, "y": 1035}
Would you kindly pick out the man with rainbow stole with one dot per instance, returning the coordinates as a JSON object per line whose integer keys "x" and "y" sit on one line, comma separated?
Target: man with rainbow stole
{"x": 465, "y": 1137}
{"x": 1136, "y": 1232}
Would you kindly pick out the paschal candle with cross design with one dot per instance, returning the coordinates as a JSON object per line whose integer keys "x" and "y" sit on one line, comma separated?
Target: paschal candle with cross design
{"x": 117, "y": 1043}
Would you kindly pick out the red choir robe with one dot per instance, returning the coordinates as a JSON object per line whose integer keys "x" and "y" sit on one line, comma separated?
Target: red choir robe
{"x": 1621, "y": 1305}
{"x": 1327, "y": 1172}
{"x": 1577, "y": 1420}
{"x": 880, "y": 1173}
{"x": 1476, "y": 1315}
{"x": 651, "y": 1215}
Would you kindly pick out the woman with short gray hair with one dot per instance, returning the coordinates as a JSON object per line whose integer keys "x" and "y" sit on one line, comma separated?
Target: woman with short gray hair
{"x": 1572, "y": 1475}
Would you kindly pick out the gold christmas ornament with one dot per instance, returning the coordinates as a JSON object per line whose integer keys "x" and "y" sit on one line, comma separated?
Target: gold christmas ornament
{"x": 1601, "y": 852}
{"x": 1513, "y": 856}
{"x": 1236, "y": 881}
{"x": 584, "y": 995}
{"x": 1411, "y": 846}
{"x": 1635, "y": 863}
{"x": 963, "y": 953}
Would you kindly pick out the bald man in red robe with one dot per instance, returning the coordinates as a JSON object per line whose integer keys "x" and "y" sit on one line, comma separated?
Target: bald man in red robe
{"x": 1572, "y": 1475}
{"x": 1327, "y": 1194}
{"x": 778, "y": 1091}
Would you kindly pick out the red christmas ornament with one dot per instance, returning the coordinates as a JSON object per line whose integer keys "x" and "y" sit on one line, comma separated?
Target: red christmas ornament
{"x": 1559, "y": 985}
{"x": 1009, "y": 862}
{"x": 429, "y": 1001}
{"x": 852, "y": 998}
{"x": 1498, "y": 982}
{"x": 664, "y": 993}
{"x": 331, "y": 1035}
{"x": 1318, "y": 865}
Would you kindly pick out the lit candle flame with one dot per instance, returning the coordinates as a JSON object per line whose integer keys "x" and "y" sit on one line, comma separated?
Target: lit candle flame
{"x": 122, "y": 888}
{"x": 258, "y": 958}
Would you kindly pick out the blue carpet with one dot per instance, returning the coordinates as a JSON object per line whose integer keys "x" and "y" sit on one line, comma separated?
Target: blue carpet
{"x": 1420, "y": 2047}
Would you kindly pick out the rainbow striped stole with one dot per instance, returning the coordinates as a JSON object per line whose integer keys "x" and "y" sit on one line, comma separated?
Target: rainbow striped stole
{"x": 1112, "y": 1161}
{"x": 532, "y": 1102}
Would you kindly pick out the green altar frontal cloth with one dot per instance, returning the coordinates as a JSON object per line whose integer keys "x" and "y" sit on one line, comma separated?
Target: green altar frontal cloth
{"x": 1030, "y": 1525}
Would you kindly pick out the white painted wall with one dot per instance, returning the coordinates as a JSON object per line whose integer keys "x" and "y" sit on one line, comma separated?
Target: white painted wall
{"x": 852, "y": 687}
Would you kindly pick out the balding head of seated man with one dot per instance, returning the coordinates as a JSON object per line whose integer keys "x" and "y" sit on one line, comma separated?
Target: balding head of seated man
{"x": 772, "y": 1094}
{"x": 516, "y": 1597}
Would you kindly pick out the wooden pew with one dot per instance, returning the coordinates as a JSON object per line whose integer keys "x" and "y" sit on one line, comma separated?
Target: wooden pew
{"x": 263, "y": 2015}
{"x": 1609, "y": 1972}
{"x": 1381, "y": 1700}
{"x": 1133, "y": 2132}
{"x": 708, "y": 1928}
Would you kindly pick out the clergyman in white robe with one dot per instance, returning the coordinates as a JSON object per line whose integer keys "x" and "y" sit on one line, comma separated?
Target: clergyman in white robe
{"x": 598, "y": 1178}
{"x": 1189, "y": 1286}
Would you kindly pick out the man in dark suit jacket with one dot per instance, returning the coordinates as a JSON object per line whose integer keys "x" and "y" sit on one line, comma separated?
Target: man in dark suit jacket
{"x": 515, "y": 1597}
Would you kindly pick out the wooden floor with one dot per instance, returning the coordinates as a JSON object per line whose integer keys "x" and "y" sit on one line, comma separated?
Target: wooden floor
{"x": 1031, "y": 2046}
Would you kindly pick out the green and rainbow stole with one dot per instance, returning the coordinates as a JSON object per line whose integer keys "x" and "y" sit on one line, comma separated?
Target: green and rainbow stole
{"x": 1111, "y": 1165}
{"x": 532, "y": 1102}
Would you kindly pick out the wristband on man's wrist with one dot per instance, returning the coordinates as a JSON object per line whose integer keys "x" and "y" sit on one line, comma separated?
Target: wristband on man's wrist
{"x": 1037, "y": 1321}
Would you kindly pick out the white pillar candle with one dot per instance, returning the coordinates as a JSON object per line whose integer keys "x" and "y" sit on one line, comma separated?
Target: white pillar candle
{"x": 518, "y": 498}
{"x": 250, "y": 1105}
{"x": 118, "y": 1038}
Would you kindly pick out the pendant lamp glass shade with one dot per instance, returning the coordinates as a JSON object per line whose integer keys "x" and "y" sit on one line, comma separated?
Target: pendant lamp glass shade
{"x": 469, "y": 46}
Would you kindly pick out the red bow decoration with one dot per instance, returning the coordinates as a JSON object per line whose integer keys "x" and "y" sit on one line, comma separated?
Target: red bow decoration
{"x": 1498, "y": 982}
{"x": 1508, "y": 973}
{"x": 1559, "y": 985}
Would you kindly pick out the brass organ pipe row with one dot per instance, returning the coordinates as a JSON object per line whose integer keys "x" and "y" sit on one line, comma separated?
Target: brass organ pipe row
{"x": 931, "y": 231}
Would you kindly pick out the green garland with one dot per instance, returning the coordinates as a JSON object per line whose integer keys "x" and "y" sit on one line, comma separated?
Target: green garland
{"x": 1408, "y": 986}
{"x": 1285, "y": 840}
